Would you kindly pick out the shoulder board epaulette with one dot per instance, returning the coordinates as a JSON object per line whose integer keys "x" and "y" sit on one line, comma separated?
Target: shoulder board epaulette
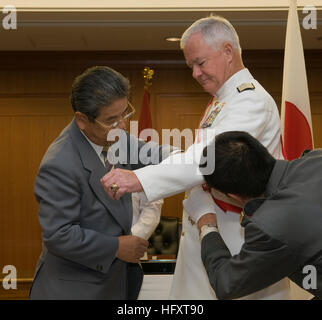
{"x": 245, "y": 86}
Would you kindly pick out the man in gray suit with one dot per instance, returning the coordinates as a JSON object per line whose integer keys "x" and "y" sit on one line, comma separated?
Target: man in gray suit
{"x": 88, "y": 252}
{"x": 282, "y": 218}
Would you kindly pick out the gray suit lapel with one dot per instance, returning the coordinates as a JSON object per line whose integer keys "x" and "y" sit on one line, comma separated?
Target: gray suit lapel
{"x": 121, "y": 209}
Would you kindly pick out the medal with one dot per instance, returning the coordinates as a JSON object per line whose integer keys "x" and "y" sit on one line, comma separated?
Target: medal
{"x": 211, "y": 117}
{"x": 213, "y": 114}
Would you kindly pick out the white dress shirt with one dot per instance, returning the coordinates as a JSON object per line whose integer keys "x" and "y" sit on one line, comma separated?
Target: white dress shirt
{"x": 146, "y": 216}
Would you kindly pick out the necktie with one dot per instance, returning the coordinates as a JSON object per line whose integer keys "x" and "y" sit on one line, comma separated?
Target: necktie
{"x": 108, "y": 166}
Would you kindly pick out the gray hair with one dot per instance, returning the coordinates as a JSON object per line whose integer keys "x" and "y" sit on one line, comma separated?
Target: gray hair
{"x": 97, "y": 87}
{"x": 214, "y": 30}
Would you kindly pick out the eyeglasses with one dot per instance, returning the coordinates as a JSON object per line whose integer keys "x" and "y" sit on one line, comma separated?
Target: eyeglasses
{"x": 128, "y": 113}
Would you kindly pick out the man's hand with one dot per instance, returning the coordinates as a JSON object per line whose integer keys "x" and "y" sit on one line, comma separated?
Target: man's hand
{"x": 119, "y": 181}
{"x": 131, "y": 248}
{"x": 206, "y": 219}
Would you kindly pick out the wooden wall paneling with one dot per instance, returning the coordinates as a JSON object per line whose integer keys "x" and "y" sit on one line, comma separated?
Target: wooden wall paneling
{"x": 316, "y": 110}
{"x": 317, "y": 130}
{"x": 28, "y": 125}
{"x": 136, "y": 90}
{"x": 181, "y": 111}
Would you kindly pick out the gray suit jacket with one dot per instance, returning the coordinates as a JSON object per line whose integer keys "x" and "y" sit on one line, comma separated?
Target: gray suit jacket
{"x": 283, "y": 234}
{"x": 81, "y": 224}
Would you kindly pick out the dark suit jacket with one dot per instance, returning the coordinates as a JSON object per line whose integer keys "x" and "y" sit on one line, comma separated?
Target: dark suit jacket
{"x": 81, "y": 224}
{"x": 283, "y": 234}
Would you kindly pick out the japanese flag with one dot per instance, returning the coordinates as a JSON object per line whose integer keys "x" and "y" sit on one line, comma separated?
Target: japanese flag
{"x": 296, "y": 122}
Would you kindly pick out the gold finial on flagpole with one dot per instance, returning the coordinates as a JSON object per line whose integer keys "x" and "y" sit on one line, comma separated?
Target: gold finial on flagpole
{"x": 147, "y": 76}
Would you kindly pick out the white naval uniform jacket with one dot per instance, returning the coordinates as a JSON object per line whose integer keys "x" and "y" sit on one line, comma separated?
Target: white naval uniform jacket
{"x": 251, "y": 110}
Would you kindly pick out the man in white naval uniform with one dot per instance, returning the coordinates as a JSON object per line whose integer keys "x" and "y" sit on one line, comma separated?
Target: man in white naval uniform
{"x": 211, "y": 48}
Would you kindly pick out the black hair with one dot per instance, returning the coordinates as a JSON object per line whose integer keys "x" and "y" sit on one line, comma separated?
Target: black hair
{"x": 97, "y": 87}
{"x": 242, "y": 164}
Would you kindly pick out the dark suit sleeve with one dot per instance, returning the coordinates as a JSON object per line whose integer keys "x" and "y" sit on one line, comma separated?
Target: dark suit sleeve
{"x": 261, "y": 262}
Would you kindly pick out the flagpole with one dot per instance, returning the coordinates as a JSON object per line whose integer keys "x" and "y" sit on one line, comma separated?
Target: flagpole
{"x": 145, "y": 120}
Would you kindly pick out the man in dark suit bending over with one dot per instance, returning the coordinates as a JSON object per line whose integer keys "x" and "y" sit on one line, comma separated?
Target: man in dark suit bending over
{"x": 282, "y": 218}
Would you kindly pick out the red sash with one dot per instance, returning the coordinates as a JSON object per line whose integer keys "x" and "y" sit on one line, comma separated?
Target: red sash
{"x": 227, "y": 206}
{"x": 224, "y": 206}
